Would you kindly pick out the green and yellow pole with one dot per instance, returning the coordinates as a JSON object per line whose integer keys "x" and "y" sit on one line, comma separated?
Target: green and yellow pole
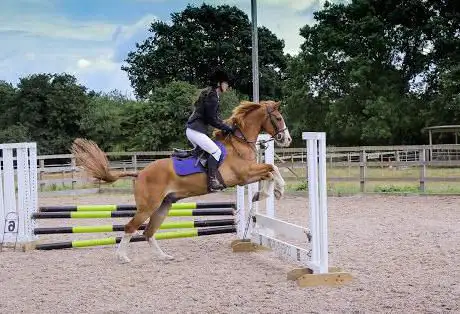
{"x": 115, "y": 228}
{"x": 119, "y": 214}
{"x": 159, "y": 236}
{"x": 112, "y": 207}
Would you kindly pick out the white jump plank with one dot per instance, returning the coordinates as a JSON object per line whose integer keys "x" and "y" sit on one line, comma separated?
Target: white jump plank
{"x": 282, "y": 228}
{"x": 289, "y": 251}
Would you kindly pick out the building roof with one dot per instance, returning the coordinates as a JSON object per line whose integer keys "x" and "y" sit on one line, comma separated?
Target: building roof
{"x": 442, "y": 128}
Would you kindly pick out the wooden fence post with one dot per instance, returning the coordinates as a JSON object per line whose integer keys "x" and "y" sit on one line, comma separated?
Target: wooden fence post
{"x": 41, "y": 174}
{"x": 422, "y": 170}
{"x": 73, "y": 164}
{"x": 362, "y": 171}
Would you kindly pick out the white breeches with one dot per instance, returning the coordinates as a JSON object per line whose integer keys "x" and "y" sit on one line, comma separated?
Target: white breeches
{"x": 203, "y": 141}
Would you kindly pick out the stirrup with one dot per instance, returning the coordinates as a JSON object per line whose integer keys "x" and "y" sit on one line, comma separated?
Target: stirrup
{"x": 219, "y": 186}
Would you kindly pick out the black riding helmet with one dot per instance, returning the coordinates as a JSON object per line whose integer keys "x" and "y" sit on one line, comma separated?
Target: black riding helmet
{"x": 219, "y": 76}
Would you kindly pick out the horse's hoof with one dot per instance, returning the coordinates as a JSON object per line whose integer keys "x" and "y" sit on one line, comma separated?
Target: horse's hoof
{"x": 278, "y": 194}
{"x": 259, "y": 196}
{"x": 123, "y": 259}
{"x": 165, "y": 257}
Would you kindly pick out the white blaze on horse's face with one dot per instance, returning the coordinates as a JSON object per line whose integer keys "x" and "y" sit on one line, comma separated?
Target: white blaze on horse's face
{"x": 283, "y": 138}
{"x": 280, "y": 130}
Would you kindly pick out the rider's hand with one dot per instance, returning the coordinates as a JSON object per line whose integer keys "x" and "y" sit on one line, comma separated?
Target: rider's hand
{"x": 230, "y": 130}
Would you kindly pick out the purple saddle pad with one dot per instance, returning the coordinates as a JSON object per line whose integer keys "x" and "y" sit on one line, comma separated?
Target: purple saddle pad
{"x": 191, "y": 165}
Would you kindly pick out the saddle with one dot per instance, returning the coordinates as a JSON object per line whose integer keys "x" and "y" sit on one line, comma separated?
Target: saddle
{"x": 190, "y": 161}
{"x": 197, "y": 153}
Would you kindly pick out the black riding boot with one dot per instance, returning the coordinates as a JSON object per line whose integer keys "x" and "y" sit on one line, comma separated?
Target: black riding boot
{"x": 213, "y": 182}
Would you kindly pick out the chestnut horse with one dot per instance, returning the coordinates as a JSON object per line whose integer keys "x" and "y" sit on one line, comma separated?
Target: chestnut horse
{"x": 158, "y": 186}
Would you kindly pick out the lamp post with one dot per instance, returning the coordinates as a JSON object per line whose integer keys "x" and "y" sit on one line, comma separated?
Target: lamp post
{"x": 255, "y": 53}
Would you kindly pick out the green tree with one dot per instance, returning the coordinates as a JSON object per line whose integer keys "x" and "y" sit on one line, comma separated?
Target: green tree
{"x": 104, "y": 117}
{"x": 374, "y": 72}
{"x": 159, "y": 123}
{"x": 7, "y": 99}
{"x": 15, "y": 133}
{"x": 198, "y": 40}
{"x": 50, "y": 106}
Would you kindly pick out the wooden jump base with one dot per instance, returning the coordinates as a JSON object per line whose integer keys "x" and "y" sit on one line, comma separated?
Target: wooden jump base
{"x": 115, "y": 228}
{"x": 109, "y": 207}
{"x": 130, "y": 213}
{"x": 159, "y": 236}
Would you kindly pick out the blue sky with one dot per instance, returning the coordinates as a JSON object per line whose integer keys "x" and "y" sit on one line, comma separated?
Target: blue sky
{"x": 91, "y": 38}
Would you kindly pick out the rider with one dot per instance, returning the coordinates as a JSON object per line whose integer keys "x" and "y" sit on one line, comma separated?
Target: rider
{"x": 206, "y": 113}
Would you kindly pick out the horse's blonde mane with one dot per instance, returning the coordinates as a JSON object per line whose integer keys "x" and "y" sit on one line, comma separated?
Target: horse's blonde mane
{"x": 239, "y": 113}
{"x": 242, "y": 110}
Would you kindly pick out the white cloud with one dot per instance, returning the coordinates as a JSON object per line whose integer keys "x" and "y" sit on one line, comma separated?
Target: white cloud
{"x": 30, "y": 56}
{"x": 53, "y": 45}
{"x": 38, "y": 40}
{"x": 83, "y": 63}
{"x": 58, "y": 27}
{"x": 124, "y": 32}
{"x": 292, "y": 4}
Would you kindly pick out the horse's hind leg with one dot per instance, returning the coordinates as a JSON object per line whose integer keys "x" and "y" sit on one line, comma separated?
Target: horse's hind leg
{"x": 139, "y": 218}
{"x": 146, "y": 204}
{"x": 156, "y": 219}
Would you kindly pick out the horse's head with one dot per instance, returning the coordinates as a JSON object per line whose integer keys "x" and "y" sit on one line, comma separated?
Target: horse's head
{"x": 274, "y": 123}
{"x": 251, "y": 118}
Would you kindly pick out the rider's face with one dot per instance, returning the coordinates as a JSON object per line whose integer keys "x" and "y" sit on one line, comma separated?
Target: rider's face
{"x": 224, "y": 86}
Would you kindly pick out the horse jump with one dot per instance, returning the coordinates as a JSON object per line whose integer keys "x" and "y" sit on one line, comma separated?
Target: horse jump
{"x": 195, "y": 228}
{"x": 310, "y": 250}
{"x": 158, "y": 185}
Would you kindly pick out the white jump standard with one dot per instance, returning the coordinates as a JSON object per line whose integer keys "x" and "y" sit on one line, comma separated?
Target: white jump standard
{"x": 267, "y": 231}
{"x": 18, "y": 193}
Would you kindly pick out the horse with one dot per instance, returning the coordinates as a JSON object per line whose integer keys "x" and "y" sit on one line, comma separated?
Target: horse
{"x": 160, "y": 183}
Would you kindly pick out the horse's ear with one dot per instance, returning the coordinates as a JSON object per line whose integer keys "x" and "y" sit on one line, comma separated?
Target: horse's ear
{"x": 277, "y": 105}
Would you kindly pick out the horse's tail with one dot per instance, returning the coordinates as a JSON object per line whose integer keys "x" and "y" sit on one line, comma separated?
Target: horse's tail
{"x": 94, "y": 161}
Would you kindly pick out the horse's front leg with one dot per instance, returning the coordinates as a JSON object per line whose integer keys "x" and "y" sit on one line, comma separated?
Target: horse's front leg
{"x": 279, "y": 183}
{"x": 264, "y": 174}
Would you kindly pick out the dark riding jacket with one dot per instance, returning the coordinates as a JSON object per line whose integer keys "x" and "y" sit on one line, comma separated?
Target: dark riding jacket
{"x": 206, "y": 113}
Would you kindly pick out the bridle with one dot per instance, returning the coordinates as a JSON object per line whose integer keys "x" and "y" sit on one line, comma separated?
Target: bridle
{"x": 253, "y": 143}
{"x": 275, "y": 126}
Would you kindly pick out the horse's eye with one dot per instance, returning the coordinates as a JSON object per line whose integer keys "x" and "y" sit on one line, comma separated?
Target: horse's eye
{"x": 278, "y": 118}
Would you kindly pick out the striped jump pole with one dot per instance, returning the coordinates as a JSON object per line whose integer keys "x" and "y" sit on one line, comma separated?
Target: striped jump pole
{"x": 159, "y": 236}
{"x": 130, "y": 213}
{"x": 111, "y": 207}
{"x": 114, "y": 228}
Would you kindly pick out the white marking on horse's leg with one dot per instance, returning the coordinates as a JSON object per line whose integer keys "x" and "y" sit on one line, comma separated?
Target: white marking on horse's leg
{"x": 279, "y": 183}
{"x": 123, "y": 247}
{"x": 265, "y": 187}
{"x": 157, "y": 251}
{"x": 156, "y": 219}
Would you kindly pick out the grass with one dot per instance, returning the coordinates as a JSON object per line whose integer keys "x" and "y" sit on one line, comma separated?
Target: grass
{"x": 412, "y": 185}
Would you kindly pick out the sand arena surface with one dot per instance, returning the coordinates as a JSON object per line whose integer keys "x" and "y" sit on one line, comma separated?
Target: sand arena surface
{"x": 404, "y": 254}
